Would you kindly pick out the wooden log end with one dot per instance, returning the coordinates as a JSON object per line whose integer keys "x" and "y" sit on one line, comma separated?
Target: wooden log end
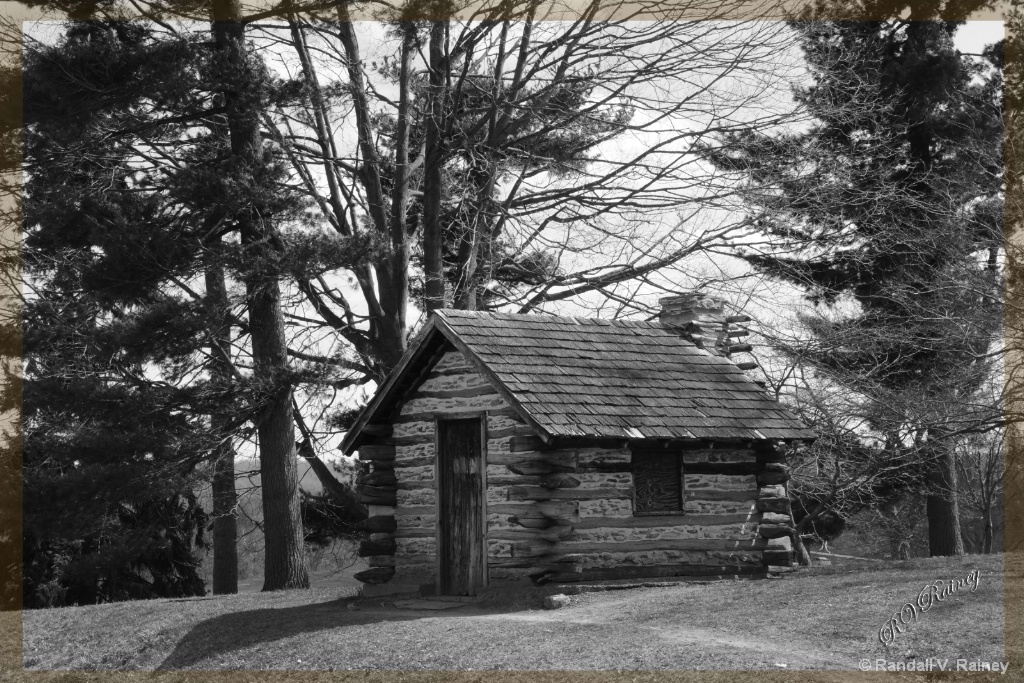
{"x": 774, "y": 530}
{"x": 378, "y": 524}
{"x": 772, "y": 457}
{"x": 776, "y": 557}
{"x": 381, "y": 478}
{"x": 368, "y": 548}
{"x": 775, "y": 518}
{"x": 771, "y": 478}
{"x": 378, "y": 495}
{"x": 382, "y": 429}
{"x": 375, "y": 575}
{"x": 377, "y": 452}
{"x": 389, "y": 501}
{"x": 772, "y": 491}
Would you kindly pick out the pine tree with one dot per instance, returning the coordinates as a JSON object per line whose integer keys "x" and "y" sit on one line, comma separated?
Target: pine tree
{"x": 887, "y": 213}
{"x": 109, "y": 458}
{"x": 115, "y": 449}
{"x": 136, "y": 198}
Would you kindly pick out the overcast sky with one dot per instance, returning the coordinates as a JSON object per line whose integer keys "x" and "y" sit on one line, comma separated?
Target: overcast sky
{"x": 975, "y": 35}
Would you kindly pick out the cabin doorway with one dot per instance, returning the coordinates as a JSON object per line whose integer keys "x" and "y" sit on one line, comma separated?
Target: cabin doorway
{"x": 461, "y": 549}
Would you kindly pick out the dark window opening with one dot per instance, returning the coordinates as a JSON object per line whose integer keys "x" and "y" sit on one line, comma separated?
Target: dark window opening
{"x": 657, "y": 483}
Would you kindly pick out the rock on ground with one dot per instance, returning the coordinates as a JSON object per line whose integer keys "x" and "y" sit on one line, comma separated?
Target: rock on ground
{"x": 556, "y": 601}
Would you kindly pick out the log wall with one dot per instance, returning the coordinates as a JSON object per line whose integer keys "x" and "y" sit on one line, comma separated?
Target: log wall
{"x": 565, "y": 514}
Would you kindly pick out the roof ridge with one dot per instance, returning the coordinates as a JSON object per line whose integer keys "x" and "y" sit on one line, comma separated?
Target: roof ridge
{"x": 575, "y": 319}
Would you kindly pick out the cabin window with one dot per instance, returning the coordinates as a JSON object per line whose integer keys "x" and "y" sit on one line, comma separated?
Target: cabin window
{"x": 657, "y": 483}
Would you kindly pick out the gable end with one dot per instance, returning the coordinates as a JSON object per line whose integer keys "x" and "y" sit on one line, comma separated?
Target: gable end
{"x": 424, "y": 353}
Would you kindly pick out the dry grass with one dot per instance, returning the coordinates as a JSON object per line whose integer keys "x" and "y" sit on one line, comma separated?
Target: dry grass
{"x": 827, "y": 618}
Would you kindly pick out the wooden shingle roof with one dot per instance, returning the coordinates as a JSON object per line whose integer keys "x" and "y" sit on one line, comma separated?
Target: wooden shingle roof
{"x": 591, "y": 378}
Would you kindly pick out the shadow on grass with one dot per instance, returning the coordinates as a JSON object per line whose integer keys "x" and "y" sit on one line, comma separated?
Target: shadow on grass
{"x": 240, "y": 630}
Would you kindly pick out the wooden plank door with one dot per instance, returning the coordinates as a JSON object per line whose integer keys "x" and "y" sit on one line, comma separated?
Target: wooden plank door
{"x": 462, "y": 563}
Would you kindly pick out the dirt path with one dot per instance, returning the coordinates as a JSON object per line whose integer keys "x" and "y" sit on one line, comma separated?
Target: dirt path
{"x": 614, "y": 613}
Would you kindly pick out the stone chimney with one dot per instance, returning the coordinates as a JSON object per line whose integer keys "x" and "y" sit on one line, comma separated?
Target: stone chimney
{"x": 702, "y": 319}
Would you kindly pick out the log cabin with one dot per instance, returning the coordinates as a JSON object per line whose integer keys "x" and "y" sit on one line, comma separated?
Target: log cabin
{"x": 560, "y": 449}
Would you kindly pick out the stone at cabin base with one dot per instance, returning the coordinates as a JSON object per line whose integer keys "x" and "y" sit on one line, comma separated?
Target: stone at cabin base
{"x": 556, "y": 601}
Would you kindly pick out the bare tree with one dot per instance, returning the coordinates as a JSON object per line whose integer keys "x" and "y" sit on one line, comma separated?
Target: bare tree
{"x": 852, "y": 467}
{"x": 514, "y": 161}
{"x": 980, "y": 465}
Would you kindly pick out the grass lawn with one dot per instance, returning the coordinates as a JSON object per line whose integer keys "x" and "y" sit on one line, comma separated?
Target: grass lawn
{"x": 824, "y": 618}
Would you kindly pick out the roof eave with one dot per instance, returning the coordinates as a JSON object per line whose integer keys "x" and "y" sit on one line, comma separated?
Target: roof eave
{"x": 353, "y": 438}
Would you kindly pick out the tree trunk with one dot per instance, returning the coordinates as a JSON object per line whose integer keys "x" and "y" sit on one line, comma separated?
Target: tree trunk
{"x": 225, "y": 521}
{"x": 799, "y": 548}
{"x": 393, "y": 270}
{"x": 988, "y": 538}
{"x": 387, "y": 324}
{"x": 464, "y": 297}
{"x": 803, "y": 558}
{"x": 284, "y": 565}
{"x": 944, "y": 536}
{"x": 433, "y": 238}
{"x": 475, "y": 245}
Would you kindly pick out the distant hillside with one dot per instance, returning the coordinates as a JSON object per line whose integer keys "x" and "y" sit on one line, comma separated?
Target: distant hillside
{"x": 248, "y": 472}
{"x": 250, "y": 516}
